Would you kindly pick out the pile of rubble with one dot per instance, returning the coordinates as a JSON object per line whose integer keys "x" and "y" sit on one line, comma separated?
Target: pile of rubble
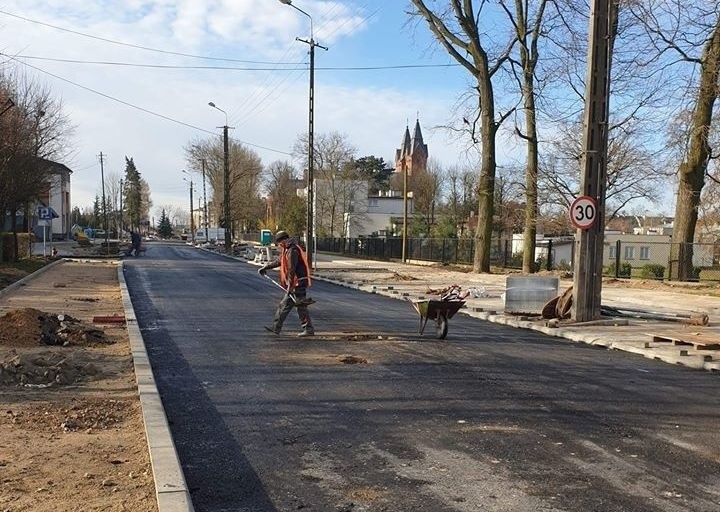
{"x": 26, "y": 356}
{"x": 31, "y": 327}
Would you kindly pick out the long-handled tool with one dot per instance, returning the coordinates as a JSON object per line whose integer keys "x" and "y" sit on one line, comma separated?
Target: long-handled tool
{"x": 304, "y": 302}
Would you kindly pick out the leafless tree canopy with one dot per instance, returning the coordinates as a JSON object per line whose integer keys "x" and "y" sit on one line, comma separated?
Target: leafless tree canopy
{"x": 32, "y": 132}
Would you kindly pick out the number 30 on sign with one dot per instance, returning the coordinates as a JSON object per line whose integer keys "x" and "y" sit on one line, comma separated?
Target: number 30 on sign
{"x": 583, "y": 212}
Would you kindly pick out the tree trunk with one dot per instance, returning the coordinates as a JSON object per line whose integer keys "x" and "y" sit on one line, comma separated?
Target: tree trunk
{"x": 486, "y": 186}
{"x": 13, "y": 220}
{"x": 691, "y": 173}
{"x": 531, "y": 172}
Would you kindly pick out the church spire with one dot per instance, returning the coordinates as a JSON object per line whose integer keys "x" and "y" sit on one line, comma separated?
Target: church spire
{"x": 417, "y": 138}
{"x": 406, "y": 147}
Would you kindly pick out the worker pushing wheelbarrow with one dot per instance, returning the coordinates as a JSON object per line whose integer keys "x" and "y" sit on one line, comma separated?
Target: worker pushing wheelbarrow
{"x": 440, "y": 310}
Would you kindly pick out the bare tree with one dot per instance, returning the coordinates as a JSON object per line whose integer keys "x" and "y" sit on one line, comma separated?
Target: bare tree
{"x": 634, "y": 173}
{"x": 462, "y": 197}
{"x": 457, "y": 28}
{"x": 426, "y": 187}
{"x": 282, "y": 183}
{"x": 527, "y": 18}
{"x": 33, "y": 132}
{"x": 337, "y": 183}
{"x": 246, "y": 207}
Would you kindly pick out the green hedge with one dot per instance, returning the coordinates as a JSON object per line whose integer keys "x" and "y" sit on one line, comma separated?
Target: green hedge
{"x": 625, "y": 270}
{"x": 7, "y": 243}
{"x": 652, "y": 271}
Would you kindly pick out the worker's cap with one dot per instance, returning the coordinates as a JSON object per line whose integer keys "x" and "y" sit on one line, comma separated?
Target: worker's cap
{"x": 280, "y": 236}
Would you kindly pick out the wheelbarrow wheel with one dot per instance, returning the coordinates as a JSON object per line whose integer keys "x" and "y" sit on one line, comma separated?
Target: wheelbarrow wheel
{"x": 442, "y": 326}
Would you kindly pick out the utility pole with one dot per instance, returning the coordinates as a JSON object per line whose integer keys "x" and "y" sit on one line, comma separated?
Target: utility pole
{"x": 205, "y": 201}
{"x": 9, "y": 103}
{"x": 192, "y": 217}
{"x": 226, "y": 180}
{"x": 120, "y": 229}
{"x": 226, "y": 190}
{"x": 105, "y": 219}
{"x": 405, "y": 210}
{"x": 310, "y": 241}
{"x": 587, "y": 281}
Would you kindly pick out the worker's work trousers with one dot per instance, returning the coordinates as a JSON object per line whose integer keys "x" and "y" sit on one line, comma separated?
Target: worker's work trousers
{"x": 287, "y": 304}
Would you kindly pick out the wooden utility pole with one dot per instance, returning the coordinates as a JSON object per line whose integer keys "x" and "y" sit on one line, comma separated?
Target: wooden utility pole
{"x": 405, "y": 210}
{"x": 587, "y": 283}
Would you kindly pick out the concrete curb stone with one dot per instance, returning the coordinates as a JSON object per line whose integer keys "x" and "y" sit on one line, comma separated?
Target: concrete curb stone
{"x": 171, "y": 489}
{"x": 29, "y": 277}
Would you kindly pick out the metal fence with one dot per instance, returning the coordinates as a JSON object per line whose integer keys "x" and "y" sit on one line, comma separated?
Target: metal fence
{"x": 621, "y": 259}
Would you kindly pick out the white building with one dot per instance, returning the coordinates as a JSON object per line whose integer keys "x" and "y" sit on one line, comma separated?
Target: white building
{"x": 560, "y": 247}
{"x": 380, "y": 215}
{"x": 57, "y": 197}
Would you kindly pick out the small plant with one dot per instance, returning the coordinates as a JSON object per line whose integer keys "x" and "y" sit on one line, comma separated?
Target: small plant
{"x": 652, "y": 271}
{"x": 625, "y": 270}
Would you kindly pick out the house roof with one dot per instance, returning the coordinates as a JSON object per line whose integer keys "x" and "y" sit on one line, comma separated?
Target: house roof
{"x": 56, "y": 167}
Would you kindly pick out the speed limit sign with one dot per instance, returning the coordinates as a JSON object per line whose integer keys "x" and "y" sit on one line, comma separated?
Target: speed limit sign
{"x": 583, "y": 212}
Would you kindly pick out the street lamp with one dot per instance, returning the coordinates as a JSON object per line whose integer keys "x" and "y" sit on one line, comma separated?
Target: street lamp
{"x": 310, "y": 241}
{"x": 226, "y": 179}
{"x": 192, "y": 218}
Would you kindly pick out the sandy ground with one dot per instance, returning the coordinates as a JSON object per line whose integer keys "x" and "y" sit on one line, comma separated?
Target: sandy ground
{"x": 71, "y": 432}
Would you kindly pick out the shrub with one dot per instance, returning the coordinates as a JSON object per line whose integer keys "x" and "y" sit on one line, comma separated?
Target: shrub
{"x": 7, "y": 243}
{"x": 625, "y": 270}
{"x": 652, "y": 271}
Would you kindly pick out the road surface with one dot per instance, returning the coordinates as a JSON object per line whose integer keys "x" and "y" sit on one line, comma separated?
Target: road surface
{"x": 369, "y": 416}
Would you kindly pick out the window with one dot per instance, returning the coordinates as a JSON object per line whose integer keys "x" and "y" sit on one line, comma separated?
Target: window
{"x": 644, "y": 253}
{"x": 629, "y": 252}
{"x": 612, "y": 252}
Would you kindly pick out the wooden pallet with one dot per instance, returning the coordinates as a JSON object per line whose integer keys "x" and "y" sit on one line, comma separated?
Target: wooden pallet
{"x": 701, "y": 341}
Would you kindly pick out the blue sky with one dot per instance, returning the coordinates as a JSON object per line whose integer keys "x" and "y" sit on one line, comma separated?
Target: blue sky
{"x": 267, "y": 108}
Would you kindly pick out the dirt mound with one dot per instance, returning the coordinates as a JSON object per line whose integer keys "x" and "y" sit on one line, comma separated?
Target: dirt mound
{"x": 79, "y": 414}
{"x": 31, "y": 327}
{"x": 44, "y": 369}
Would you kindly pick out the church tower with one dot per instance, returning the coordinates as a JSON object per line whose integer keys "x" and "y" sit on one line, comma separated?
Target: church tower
{"x": 413, "y": 152}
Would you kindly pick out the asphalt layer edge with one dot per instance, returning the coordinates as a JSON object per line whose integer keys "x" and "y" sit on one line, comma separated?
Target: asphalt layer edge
{"x": 170, "y": 487}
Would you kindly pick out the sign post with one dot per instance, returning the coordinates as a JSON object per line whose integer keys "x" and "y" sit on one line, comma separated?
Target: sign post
{"x": 45, "y": 216}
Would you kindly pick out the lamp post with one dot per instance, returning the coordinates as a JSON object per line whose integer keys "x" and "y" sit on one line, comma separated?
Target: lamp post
{"x": 226, "y": 180}
{"x": 192, "y": 217}
{"x": 310, "y": 241}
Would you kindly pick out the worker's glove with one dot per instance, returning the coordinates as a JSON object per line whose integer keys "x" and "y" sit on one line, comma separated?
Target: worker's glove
{"x": 262, "y": 270}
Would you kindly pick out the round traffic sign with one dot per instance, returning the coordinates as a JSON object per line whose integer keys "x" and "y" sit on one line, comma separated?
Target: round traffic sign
{"x": 583, "y": 212}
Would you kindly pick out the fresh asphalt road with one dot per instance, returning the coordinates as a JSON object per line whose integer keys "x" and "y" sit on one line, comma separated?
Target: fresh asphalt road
{"x": 492, "y": 419}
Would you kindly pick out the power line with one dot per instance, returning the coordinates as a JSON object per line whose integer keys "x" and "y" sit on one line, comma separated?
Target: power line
{"x": 234, "y": 68}
{"x": 158, "y": 66}
{"x": 259, "y": 95}
{"x": 131, "y": 45}
{"x": 142, "y": 109}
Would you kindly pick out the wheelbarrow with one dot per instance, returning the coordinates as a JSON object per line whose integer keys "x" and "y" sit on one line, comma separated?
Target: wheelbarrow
{"x": 439, "y": 310}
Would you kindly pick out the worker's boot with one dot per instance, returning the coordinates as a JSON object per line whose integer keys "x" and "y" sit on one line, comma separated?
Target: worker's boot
{"x": 273, "y": 330}
{"x": 307, "y": 331}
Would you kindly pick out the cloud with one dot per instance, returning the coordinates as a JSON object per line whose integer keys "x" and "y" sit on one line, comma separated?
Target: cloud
{"x": 266, "y": 108}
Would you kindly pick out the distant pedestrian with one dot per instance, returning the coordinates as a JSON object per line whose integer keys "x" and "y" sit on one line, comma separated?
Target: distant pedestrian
{"x": 295, "y": 278}
{"x": 135, "y": 243}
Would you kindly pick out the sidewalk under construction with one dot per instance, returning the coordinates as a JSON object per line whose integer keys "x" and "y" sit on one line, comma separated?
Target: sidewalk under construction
{"x": 661, "y": 321}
